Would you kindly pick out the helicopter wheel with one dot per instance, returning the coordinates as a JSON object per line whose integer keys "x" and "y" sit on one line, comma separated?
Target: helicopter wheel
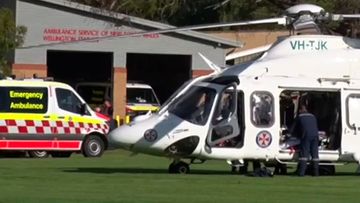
{"x": 327, "y": 170}
{"x": 179, "y": 167}
{"x": 280, "y": 169}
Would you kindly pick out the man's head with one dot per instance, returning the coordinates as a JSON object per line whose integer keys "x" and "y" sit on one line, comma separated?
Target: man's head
{"x": 107, "y": 102}
{"x": 303, "y": 108}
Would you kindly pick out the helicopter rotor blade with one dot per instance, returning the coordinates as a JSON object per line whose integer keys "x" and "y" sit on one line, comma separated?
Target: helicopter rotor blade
{"x": 279, "y": 20}
{"x": 339, "y": 17}
{"x": 351, "y": 15}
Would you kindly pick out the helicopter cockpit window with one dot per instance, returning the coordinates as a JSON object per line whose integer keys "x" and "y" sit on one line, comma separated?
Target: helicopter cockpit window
{"x": 175, "y": 94}
{"x": 262, "y": 107}
{"x": 195, "y": 105}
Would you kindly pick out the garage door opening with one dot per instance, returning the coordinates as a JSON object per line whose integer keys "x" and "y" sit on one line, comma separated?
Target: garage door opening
{"x": 72, "y": 67}
{"x": 165, "y": 73}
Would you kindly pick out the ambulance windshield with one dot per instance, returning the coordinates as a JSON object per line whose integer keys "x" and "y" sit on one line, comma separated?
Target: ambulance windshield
{"x": 141, "y": 95}
{"x": 194, "y": 105}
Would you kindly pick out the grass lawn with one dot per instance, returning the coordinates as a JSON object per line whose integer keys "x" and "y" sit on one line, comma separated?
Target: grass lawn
{"x": 119, "y": 177}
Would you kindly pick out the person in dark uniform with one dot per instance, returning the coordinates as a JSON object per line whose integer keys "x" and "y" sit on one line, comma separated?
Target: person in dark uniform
{"x": 306, "y": 129}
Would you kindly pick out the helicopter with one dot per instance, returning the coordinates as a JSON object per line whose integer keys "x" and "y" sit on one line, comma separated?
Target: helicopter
{"x": 262, "y": 100}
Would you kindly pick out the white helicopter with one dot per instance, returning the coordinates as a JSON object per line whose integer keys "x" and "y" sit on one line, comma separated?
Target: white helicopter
{"x": 243, "y": 112}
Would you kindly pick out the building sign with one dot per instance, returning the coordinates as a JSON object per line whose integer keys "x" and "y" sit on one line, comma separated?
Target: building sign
{"x": 73, "y": 34}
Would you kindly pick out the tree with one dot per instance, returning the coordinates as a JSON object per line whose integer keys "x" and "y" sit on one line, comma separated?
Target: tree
{"x": 11, "y": 37}
{"x": 189, "y": 12}
{"x": 192, "y": 12}
{"x": 158, "y": 10}
{"x": 350, "y": 28}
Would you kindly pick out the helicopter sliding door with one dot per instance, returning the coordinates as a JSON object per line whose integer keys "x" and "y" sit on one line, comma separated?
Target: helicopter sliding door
{"x": 324, "y": 104}
{"x": 351, "y": 122}
{"x": 225, "y": 130}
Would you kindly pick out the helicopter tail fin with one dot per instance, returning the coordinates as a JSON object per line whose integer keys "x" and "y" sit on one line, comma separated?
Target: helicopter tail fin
{"x": 212, "y": 65}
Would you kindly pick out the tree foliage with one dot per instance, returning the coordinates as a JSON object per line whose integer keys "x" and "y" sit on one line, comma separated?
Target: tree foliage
{"x": 352, "y": 27}
{"x": 192, "y": 12}
{"x": 11, "y": 37}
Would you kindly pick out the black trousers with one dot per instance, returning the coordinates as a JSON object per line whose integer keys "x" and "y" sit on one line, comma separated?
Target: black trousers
{"x": 309, "y": 147}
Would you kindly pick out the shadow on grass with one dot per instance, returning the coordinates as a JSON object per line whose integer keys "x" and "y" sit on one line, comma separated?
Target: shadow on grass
{"x": 139, "y": 171}
{"x": 346, "y": 174}
{"x": 165, "y": 171}
{"x": 309, "y": 175}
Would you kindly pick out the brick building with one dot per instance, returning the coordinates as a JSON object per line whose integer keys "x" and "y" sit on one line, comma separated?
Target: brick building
{"x": 74, "y": 43}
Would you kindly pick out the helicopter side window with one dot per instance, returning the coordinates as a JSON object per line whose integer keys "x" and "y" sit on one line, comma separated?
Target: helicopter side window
{"x": 225, "y": 107}
{"x": 262, "y": 107}
{"x": 227, "y": 127}
{"x": 353, "y": 104}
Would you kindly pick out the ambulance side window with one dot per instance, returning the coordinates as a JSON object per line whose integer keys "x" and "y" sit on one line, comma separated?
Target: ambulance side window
{"x": 262, "y": 108}
{"x": 68, "y": 101}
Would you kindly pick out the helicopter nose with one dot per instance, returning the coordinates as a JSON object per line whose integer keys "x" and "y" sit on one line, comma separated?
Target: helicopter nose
{"x": 123, "y": 137}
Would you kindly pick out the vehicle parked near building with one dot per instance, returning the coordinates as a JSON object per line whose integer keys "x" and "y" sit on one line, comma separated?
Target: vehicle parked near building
{"x": 140, "y": 97}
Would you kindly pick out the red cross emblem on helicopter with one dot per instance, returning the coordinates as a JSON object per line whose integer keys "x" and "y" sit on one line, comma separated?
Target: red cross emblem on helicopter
{"x": 263, "y": 139}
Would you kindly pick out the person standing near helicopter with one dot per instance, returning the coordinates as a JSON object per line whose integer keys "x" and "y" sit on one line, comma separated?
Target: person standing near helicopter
{"x": 306, "y": 128}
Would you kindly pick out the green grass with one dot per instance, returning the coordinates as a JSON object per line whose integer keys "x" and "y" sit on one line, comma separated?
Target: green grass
{"x": 118, "y": 177}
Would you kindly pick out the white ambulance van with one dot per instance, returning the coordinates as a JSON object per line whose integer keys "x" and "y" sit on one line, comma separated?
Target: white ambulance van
{"x": 46, "y": 117}
{"x": 140, "y": 97}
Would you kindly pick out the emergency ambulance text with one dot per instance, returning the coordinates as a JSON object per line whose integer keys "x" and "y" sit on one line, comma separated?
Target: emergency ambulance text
{"x": 27, "y": 105}
{"x": 26, "y": 95}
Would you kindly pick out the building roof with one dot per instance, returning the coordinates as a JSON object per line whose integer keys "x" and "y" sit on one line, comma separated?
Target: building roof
{"x": 131, "y": 20}
{"x": 254, "y": 42}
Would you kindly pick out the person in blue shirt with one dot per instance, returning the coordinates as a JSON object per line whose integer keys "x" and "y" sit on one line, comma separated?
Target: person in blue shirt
{"x": 306, "y": 129}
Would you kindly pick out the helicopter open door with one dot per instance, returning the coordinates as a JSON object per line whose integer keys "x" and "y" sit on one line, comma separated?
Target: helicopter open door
{"x": 224, "y": 130}
{"x": 351, "y": 123}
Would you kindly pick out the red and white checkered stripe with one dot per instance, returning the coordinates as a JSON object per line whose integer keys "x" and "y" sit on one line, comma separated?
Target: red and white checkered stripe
{"x": 49, "y": 127}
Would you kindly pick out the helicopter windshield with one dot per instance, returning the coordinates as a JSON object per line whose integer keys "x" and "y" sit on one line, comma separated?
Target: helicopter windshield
{"x": 175, "y": 94}
{"x": 195, "y": 105}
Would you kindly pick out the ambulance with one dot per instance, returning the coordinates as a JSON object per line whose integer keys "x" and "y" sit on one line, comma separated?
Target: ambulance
{"x": 45, "y": 117}
{"x": 140, "y": 97}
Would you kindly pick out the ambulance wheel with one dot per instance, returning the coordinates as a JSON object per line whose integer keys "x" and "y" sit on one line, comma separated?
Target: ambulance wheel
{"x": 38, "y": 154}
{"x": 179, "y": 167}
{"x": 93, "y": 146}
